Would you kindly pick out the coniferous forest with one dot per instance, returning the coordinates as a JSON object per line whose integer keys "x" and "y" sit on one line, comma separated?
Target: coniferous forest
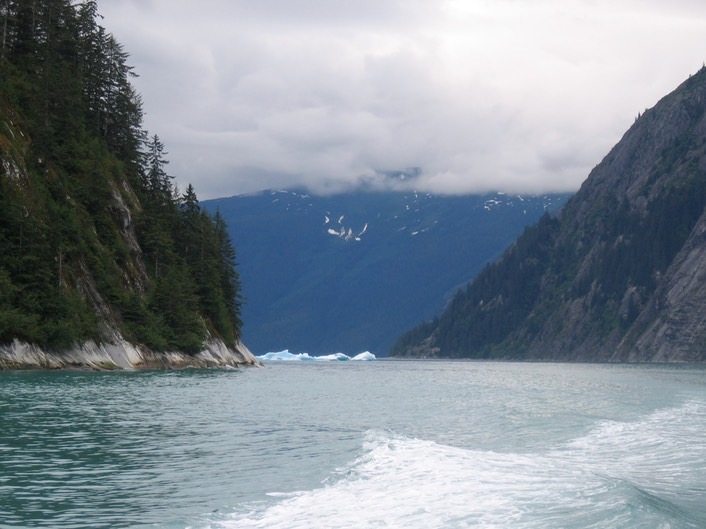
{"x": 95, "y": 238}
{"x": 617, "y": 275}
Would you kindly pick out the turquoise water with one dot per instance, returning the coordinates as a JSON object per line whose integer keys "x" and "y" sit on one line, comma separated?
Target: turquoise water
{"x": 389, "y": 444}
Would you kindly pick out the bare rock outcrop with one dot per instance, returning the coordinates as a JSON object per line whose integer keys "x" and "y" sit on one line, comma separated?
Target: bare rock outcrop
{"x": 120, "y": 354}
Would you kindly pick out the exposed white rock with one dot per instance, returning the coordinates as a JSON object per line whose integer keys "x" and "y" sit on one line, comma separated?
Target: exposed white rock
{"x": 120, "y": 354}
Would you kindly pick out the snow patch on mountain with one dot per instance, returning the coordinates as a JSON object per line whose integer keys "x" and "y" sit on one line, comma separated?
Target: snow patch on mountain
{"x": 341, "y": 231}
{"x": 412, "y": 217}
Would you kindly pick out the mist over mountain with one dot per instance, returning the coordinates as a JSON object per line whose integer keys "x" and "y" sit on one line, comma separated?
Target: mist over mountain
{"x": 618, "y": 275}
{"x": 350, "y": 272}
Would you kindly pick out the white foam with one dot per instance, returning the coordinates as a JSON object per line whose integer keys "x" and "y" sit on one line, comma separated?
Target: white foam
{"x": 412, "y": 483}
{"x": 597, "y": 481}
{"x": 659, "y": 448}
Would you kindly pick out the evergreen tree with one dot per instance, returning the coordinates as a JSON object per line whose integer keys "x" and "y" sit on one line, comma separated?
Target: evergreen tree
{"x": 77, "y": 176}
{"x": 155, "y": 178}
{"x": 229, "y": 276}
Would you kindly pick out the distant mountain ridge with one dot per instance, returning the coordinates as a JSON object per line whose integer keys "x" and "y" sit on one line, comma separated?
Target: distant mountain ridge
{"x": 619, "y": 275}
{"x": 350, "y": 272}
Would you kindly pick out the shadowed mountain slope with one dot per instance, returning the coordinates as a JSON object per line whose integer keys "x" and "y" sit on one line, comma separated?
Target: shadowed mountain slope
{"x": 350, "y": 272}
{"x": 619, "y": 274}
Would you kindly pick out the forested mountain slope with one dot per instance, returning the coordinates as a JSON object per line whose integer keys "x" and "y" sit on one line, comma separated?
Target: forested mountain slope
{"x": 350, "y": 272}
{"x": 619, "y": 274}
{"x": 96, "y": 244}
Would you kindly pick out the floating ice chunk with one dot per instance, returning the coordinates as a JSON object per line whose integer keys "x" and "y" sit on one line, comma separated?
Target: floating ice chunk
{"x": 286, "y": 356}
{"x": 367, "y": 356}
{"x": 333, "y": 357}
{"x": 282, "y": 355}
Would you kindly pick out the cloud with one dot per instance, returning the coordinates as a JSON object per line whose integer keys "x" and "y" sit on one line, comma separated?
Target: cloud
{"x": 332, "y": 94}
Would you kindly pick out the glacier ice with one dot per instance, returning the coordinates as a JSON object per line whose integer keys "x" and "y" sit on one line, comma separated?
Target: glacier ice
{"x": 286, "y": 356}
{"x": 366, "y": 356}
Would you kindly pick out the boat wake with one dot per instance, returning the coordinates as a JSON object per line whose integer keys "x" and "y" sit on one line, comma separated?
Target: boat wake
{"x": 648, "y": 473}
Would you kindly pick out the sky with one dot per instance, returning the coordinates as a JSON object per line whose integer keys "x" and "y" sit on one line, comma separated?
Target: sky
{"x": 442, "y": 96}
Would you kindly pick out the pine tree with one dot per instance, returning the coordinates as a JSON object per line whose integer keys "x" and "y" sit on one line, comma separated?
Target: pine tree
{"x": 72, "y": 146}
{"x": 230, "y": 278}
{"x": 155, "y": 178}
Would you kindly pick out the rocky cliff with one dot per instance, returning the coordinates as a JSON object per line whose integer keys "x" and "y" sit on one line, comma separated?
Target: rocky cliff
{"x": 103, "y": 262}
{"x": 619, "y": 275}
{"x": 120, "y": 354}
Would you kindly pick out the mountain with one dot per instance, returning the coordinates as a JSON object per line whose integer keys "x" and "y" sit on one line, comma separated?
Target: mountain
{"x": 350, "y": 272}
{"x": 618, "y": 275}
{"x": 102, "y": 263}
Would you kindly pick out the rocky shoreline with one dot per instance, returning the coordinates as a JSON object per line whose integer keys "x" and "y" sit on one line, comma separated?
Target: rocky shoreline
{"x": 122, "y": 355}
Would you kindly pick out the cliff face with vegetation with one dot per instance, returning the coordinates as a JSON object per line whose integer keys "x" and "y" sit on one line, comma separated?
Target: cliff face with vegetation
{"x": 100, "y": 255}
{"x": 619, "y": 275}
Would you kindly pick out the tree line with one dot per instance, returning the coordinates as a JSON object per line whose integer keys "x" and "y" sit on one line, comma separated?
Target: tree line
{"x": 93, "y": 228}
{"x": 610, "y": 266}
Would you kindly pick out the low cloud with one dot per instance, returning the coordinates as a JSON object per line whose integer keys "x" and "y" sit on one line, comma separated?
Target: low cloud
{"x": 333, "y": 95}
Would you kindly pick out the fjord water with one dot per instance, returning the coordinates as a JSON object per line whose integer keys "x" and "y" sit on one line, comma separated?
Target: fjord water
{"x": 391, "y": 444}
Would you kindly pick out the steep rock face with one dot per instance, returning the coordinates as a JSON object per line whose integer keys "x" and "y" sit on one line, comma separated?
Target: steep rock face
{"x": 655, "y": 174}
{"x": 120, "y": 354}
{"x": 673, "y": 326}
{"x": 618, "y": 276}
{"x": 111, "y": 350}
{"x": 73, "y": 261}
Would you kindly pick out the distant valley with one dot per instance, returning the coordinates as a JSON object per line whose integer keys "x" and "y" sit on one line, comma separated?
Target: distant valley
{"x": 351, "y": 272}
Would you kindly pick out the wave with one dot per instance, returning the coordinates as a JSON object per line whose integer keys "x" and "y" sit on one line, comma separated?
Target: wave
{"x": 286, "y": 356}
{"x": 648, "y": 473}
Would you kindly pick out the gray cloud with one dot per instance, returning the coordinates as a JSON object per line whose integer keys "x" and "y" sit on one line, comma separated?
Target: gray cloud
{"x": 332, "y": 94}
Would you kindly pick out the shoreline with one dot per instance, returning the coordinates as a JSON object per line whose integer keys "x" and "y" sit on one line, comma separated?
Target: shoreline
{"x": 120, "y": 355}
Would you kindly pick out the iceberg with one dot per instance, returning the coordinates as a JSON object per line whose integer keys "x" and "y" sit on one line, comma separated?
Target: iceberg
{"x": 367, "y": 356}
{"x": 286, "y": 356}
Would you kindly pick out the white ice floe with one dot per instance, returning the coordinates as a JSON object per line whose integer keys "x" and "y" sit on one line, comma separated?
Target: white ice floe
{"x": 286, "y": 356}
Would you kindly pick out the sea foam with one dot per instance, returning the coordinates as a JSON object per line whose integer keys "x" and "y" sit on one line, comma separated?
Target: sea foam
{"x": 595, "y": 481}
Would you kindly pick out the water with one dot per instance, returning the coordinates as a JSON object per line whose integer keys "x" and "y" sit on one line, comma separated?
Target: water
{"x": 382, "y": 444}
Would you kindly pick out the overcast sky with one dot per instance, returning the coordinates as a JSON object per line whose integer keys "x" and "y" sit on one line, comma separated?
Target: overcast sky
{"x": 475, "y": 95}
